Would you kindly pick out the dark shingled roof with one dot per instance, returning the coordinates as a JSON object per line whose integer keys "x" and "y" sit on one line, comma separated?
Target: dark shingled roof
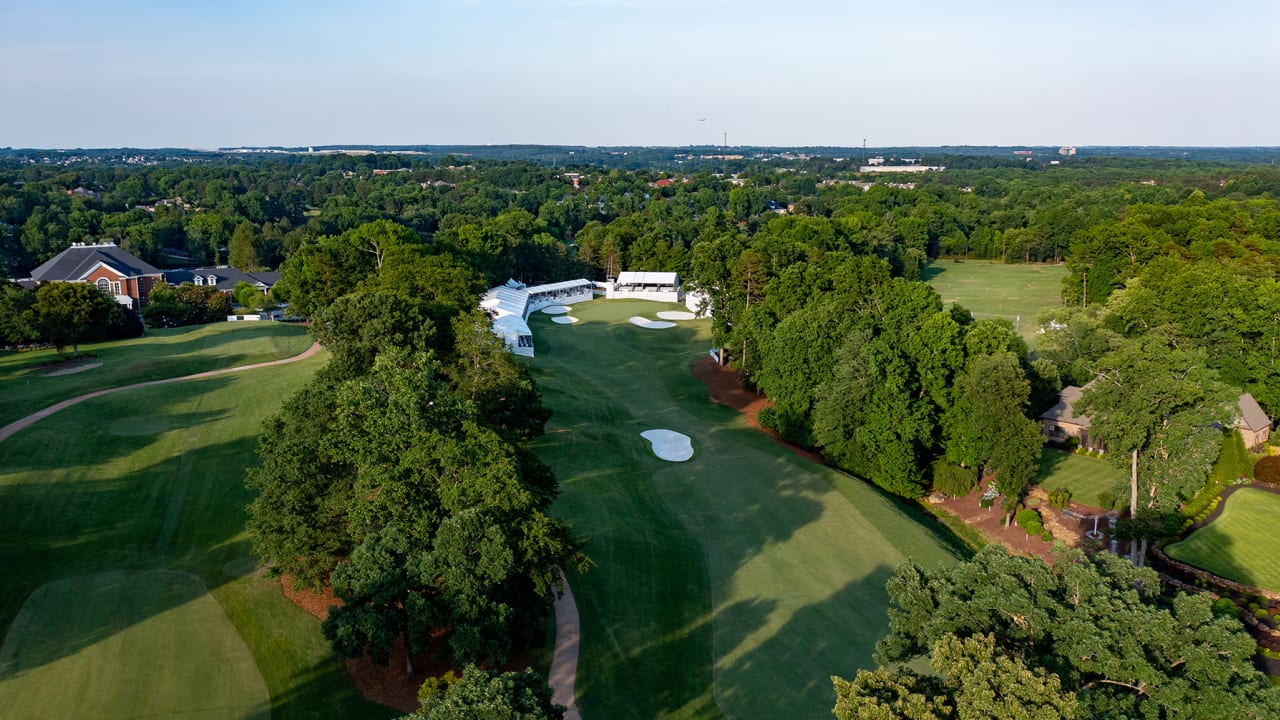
{"x": 1064, "y": 410}
{"x": 225, "y": 277}
{"x": 1251, "y": 415}
{"x": 74, "y": 262}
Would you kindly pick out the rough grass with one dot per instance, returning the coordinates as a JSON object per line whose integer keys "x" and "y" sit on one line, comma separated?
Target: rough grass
{"x": 1016, "y": 293}
{"x": 1242, "y": 544}
{"x": 159, "y": 354}
{"x": 1084, "y": 476}
{"x": 731, "y": 585}
{"x": 153, "y": 480}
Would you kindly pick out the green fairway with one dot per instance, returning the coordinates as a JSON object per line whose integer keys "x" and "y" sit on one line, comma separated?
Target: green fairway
{"x": 152, "y": 639}
{"x": 731, "y": 585}
{"x": 150, "y": 483}
{"x": 1084, "y": 476}
{"x": 159, "y": 354}
{"x": 1016, "y": 293}
{"x": 1242, "y": 544}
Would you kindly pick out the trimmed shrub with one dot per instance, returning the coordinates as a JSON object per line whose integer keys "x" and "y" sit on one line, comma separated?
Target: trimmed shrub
{"x": 1262, "y": 614}
{"x": 437, "y": 686}
{"x": 1029, "y": 520}
{"x": 1059, "y": 497}
{"x": 1107, "y": 500}
{"x": 953, "y": 480}
{"x": 1267, "y": 470}
{"x": 1224, "y": 607}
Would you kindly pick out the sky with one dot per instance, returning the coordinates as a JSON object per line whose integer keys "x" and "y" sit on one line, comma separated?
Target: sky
{"x": 80, "y": 73}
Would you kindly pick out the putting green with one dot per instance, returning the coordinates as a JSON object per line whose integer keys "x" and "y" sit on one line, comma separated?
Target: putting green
{"x": 731, "y": 585}
{"x": 147, "y": 643}
{"x": 1241, "y": 544}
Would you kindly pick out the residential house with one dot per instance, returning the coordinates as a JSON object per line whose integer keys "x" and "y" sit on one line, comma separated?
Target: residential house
{"x": 1061, "y": 423}
{"x": 1253, "y": 424}
{"x": 115, "y": 271}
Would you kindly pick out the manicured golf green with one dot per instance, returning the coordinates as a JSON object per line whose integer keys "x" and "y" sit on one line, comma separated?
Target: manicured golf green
{"x": 1016, "y": 293}
{"x": 732, "y": 585}
{"x": 110, "y": 644}
{"x": 1242, "y": 544}
{"x": 173, "y": 352}
{"x": 148, "y": 484}
{"x": 1084, "y": 476}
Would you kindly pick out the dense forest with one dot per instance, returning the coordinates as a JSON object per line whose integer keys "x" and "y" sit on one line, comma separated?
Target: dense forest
{"x": 811, "y": 271}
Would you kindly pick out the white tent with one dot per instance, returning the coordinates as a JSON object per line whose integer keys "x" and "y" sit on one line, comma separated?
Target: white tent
{"x": 660, "y": 286}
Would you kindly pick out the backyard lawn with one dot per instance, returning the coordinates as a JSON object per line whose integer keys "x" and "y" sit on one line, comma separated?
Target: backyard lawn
{"x": 732, "y": 585}
{"x": 1242, "y": 544}
{"x": 129, "y": 587}
{"x": 1084, "y": 476}
{"x": 1016, "y": 293}
{"x": 27, "y": 387}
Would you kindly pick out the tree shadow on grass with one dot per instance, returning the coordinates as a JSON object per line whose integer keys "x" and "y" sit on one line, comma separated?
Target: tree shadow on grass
{"x": 163, "y": 515}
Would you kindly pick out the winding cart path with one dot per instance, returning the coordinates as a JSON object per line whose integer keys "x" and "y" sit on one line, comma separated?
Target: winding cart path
{"x": 17, "y": 425}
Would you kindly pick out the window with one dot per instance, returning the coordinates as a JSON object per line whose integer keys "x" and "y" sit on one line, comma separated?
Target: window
{"x": 213, "y": 279}
{"x": 200, "y": 280}
{"x": 115, "y": 288}
{"x": 525, "y": 341}
{"x": 104, "y": 285}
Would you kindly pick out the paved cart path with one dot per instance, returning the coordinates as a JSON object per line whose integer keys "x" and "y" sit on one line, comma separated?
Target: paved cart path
{"x": 17, "y": 425}
{"x": 564, "y": 662}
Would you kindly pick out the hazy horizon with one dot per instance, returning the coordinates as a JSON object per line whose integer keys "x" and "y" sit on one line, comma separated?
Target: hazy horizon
{"x": 596, "y": 73}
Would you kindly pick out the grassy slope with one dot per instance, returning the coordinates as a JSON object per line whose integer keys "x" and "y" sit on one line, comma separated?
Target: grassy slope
{"x": 154, "y": 481}
{"x": 159, "y": 354}
{"x": 1084, "y": 476}
{"x": 1241, "y": 544}
{"x": 993, "y": 290}
{"x": 734, "y": 584}
{"x": 153, "y": 641}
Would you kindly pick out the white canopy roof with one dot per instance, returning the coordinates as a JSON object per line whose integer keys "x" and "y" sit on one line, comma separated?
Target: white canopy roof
{"x": 631, "y": 277}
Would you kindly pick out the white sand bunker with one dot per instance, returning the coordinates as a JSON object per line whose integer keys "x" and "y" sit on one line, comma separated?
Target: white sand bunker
{"x": 651, "y": 324}
{"x": 676, "y": 315}
{"x": 564, "y": 320}
{"x": 73, "y": 370}
{"x": 556, "y": 309}
{"x": 669, "y": 444}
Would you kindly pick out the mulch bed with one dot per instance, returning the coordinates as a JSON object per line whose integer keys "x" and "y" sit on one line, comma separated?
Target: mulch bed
{"x": 386, "y": 685}
{"x": 726, "y": 388}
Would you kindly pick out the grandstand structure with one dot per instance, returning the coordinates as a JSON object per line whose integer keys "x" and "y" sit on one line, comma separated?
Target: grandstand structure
{"x": 509, "y": 305}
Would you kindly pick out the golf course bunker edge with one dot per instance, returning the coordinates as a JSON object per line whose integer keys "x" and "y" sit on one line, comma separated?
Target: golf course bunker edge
{"x": 669, "y": 445}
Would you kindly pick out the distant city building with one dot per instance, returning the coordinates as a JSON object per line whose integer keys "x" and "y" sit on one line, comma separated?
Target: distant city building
{"x": 901, "y": 168}
{"x": 1026, "y": 153}
{"x": 1067, "y": 150}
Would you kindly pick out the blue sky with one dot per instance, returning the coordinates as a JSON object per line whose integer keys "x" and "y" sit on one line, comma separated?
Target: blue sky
{"x": 632, "y": 72}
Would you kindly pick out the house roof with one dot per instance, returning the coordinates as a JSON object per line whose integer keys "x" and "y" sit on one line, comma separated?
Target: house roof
{"x": 226, "y": 277}
{"x": 78, "y": 260}
{"x": 1251, "y": 415}
{"x": 1064, "y": 410}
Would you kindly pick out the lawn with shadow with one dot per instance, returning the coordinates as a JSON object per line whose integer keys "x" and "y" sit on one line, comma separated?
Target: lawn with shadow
{"x": 27, "y": 387}
{"x": 1016, "y": 292}
{"x": 1242, "y": 544}
{"x": 148, "y": 485}
{"x": 732, "y": 585}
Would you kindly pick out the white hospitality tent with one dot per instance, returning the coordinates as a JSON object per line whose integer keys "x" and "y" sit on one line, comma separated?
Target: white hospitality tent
{"x": 659, "y": 286}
